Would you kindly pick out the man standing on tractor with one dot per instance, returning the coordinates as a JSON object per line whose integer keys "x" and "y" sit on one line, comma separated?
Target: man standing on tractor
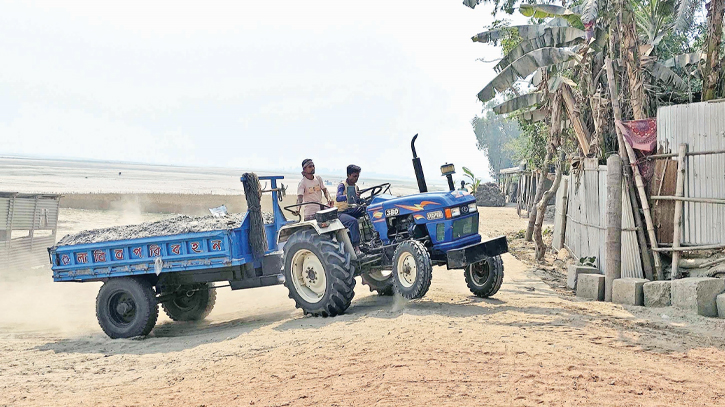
{"x": 310, "y": 189}
{"x": 349, "y": 194}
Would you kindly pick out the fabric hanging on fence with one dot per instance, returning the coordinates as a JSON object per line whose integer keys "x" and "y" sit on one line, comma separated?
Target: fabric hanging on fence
{"x": 640, "y": 134}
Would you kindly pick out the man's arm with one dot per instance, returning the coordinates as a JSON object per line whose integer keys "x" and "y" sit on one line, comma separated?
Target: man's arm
{"x": 341, "y": 195}
{"x": 324, "y": 190}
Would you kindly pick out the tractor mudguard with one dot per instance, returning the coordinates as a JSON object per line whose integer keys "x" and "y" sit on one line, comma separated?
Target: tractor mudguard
{"x": 461, "y": 258}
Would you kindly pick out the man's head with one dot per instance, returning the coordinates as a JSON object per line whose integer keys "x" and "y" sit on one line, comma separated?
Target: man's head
{"x": 308, "y": 167}
{"x": 353, "y": 174}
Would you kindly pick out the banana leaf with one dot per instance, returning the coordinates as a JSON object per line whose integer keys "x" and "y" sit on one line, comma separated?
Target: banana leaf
{"x": 548, "y": 10}
{"x": 533, "y": 116}
{"x": 685, "y": 16}
{"x": 524, "y": 31}
{"x": 553, "y": 37}
{"x": 665, "y": 75}
{"x": 518, "y": 103}
{"x": 538, "y": 75}
{"x": 525, "y": 66}
{"x": 554, "y": 83}
{"x": 590, "y": 11}
{"x": 683, "y": 60}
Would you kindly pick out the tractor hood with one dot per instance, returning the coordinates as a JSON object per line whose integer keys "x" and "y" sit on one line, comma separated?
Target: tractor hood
{"x": 421, "y": 202}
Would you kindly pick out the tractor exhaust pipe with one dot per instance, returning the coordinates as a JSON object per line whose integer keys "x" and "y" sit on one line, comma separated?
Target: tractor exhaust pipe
{"x": 418, "y": 168}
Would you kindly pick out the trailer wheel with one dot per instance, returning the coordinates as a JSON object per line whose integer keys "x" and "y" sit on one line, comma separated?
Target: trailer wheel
{"x": 412, "y": 269}
{"x": 380, "y": 281}
{"x": 318, "y": 274}
{"x": 485, "y": 278}
{"x": 191, "y": 303}
{"x": 126, "y": 307}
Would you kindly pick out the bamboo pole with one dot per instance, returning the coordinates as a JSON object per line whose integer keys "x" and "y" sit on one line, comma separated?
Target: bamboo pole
{"x": 632, "y": 160}
{"x": 673, "y": 155}
{"x": 688, "y": 199}
{"x": 690, "y": 248}
{"x": 679, "y": 192}
{"x": 613, "y": 246}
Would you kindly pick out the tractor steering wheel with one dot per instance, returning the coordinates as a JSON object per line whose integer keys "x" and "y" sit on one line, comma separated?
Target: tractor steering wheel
{"x": 374, "y": 191}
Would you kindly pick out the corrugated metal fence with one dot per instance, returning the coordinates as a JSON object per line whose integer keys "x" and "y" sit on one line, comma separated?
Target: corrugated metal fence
{"x": 586, "y": 220}
{"x": 28, "y": 225}
{"x": 702, "y": 127}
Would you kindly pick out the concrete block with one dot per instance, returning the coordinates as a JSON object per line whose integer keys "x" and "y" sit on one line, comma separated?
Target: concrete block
{"x": 628, "y": 291}
{"x": 590, "y": 286}
{"x": 697, "y": 294}
{"x": 720, "y": 301}
{"x": 657, "y": 293}
{"x": 573, "y": 271}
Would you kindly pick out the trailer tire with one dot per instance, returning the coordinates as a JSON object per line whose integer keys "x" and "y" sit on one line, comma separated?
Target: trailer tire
{"x": 126, "y": 307}
{"x": 383, "y": 285}
{"x": 484, "y": 278}
{"x": 318, "y": 274}
{"x": 412, "y": 269}
{"x": 192, "y": 303}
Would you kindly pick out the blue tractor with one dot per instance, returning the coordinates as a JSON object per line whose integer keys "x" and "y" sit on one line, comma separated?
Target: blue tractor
{"x": 402, "y": 238}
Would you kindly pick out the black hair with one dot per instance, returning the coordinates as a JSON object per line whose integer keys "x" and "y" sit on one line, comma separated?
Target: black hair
{"x": 305, "y": 161}
{"x": 352, "y": 168}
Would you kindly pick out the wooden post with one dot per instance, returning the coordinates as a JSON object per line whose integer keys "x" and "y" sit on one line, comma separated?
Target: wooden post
{"x": 679, "y": 192}
{"x": 631, "y": 159}
{"x": 613, "y": 246}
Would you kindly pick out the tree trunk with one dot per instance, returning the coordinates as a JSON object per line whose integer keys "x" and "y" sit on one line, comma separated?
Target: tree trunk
{"x": 630, "y": 57}
{"x": 541, "y": 210}
{"x": 711, "y": 71}
{"x": 555, "y": 127}
{"x": 580, "y": 129}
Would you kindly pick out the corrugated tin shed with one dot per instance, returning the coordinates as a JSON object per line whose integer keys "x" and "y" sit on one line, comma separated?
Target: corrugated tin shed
{"x": 702, "y": 127}
{"x": 28, "y": 225}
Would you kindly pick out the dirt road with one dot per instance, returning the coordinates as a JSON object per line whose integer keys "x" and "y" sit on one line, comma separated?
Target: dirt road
{"x": 526, "y": 346}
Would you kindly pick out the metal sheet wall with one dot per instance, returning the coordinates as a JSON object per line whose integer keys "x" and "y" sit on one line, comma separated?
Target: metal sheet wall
{"x": 702, "y": 127}
{"x": 28, "y": 225}
{"x": 586, "y": 221}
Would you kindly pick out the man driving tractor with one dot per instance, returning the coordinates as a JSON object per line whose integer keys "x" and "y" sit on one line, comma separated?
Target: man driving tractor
{"x": 347, "y": 202}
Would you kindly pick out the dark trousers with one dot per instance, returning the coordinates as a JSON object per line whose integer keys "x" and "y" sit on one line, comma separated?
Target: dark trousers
{"x": 350, "y": 223}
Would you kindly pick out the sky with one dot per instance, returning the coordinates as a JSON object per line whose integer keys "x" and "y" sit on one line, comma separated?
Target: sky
{"x": 257, "y": 85}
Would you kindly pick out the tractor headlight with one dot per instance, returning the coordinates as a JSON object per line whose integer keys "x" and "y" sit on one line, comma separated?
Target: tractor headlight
{"x": 472, "y": 207}
{"x": 453, "y": 212}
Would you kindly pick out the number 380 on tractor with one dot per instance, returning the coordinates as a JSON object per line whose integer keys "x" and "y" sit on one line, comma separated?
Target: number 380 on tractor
{"x": 402, "y": 238}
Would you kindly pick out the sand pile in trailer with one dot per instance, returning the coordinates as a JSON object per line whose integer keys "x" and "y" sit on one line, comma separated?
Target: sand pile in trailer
{"x": 172, "y": 226}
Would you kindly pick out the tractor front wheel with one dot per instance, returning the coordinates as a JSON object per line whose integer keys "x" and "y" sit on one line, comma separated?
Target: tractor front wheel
{"x": 380, "y": 281}
{"x": 318, "y": 274}
{"x": 126, "y": 307}
{"x": 412, "y": 269}
{"x": 485, "y": 277}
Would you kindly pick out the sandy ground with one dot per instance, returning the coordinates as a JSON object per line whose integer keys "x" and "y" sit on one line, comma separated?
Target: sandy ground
{"x": 527, "y": 346}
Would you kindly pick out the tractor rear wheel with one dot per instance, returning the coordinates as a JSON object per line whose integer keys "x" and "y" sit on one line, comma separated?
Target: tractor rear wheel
{"x": 318, "y": 274}
{"x": 190, "y": 303}
{"x": 412, "y": 269}
{"x": 126, "y": 307}
{"x": 380, "y": 281}
{"x": 485, "y": 277}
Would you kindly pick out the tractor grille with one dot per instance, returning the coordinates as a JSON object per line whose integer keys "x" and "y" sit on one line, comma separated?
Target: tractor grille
{"x": 465, "y": 226}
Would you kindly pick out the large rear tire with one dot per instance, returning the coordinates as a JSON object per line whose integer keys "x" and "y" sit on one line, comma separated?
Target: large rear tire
{"x": 484, "y": 278}
{"x": 380, "y": 281}
{"x": 412, "y": 269}
{"x": 126, "y": 307}
{"x": 191, "y": 303}
{"x": 318, "y": 274}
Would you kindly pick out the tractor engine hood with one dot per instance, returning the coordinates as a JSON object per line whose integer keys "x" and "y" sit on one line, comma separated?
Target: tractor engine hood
{"x": 421, "y": 202}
